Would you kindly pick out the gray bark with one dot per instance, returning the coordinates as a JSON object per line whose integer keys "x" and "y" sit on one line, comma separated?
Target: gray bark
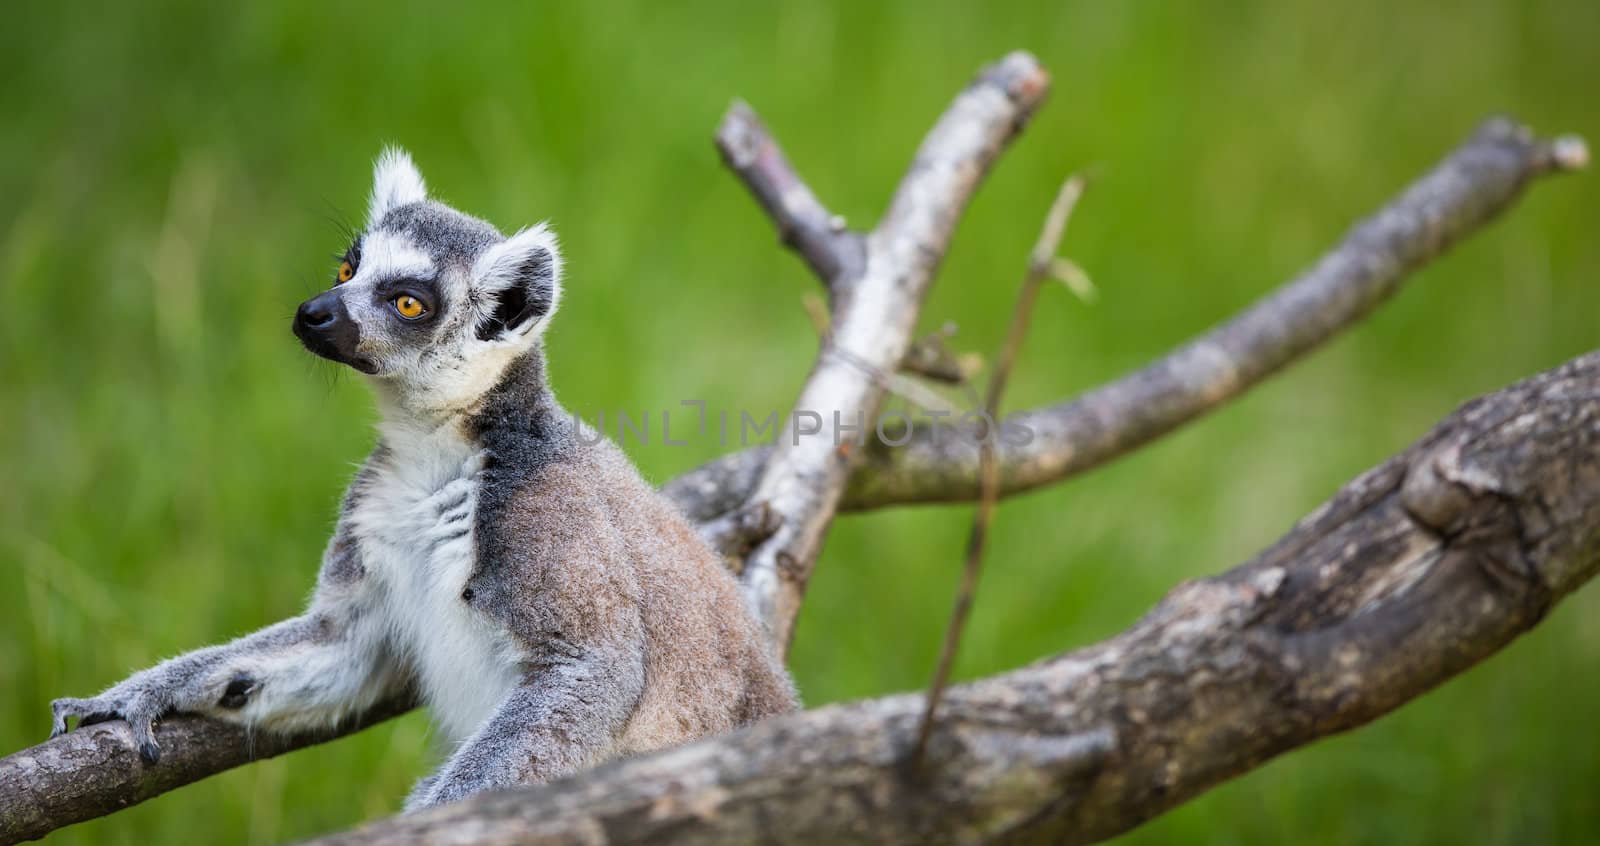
{"x": 1413, "y": 572}
{"x": 875, "y": 299}
{"x": 1479, "y": 180}
{"x": 96, "y": 770}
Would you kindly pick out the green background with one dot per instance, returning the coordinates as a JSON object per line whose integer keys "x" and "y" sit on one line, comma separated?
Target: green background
{"x": 170, "y": 181}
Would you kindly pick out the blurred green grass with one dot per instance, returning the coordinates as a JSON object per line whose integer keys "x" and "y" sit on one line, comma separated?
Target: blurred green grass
{"x": 172, "y": 174}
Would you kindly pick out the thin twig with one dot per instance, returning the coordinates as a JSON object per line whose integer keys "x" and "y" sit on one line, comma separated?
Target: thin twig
{"x": 1040, "y": 266}
{"x": 820, "y": 237}
{"x": 817, "y": 313}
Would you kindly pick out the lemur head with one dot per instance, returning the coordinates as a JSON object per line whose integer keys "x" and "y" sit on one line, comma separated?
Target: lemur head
{"x": 432, "y": 304}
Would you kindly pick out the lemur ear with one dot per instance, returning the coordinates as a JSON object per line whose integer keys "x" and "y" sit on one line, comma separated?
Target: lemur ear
{"x": 395, "y": 182}
{"x": 523, "y": 276}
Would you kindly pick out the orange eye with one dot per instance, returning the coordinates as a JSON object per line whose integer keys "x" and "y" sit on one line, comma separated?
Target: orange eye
{"x": 409, "y": 307}
{"x": 347, "y": 271}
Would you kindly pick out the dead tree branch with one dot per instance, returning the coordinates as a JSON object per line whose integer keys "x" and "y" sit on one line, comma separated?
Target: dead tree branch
{"x": 1476, "y": 182}
{"x": 874, "y": 313}
{"x": 1412, "y": 573}
{"x": 96, "y": 770}
{"x": 832, "y": 251}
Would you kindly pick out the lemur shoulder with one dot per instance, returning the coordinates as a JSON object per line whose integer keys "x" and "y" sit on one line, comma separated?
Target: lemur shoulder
{"x": 505, "y": 562}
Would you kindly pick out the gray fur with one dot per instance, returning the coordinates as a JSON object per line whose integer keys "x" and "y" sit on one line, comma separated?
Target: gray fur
{"x": 547, "y": 603}
{"x": 448, "y": 236}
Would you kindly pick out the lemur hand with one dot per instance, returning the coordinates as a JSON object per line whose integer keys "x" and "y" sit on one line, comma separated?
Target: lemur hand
{"x": 139, "y": 707}
{"x": 448, "y": 512}
{"x": 143, "y": 699}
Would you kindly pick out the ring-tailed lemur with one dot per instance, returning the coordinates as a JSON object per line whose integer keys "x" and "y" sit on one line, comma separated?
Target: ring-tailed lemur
{"x": 548, "y": 605}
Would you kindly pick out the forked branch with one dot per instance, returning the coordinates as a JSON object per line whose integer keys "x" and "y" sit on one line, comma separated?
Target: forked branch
{"x": 874, "y": 313}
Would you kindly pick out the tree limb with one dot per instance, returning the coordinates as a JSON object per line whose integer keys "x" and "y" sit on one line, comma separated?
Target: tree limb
{"x": 874, "y": 315}
{"x": 1477, "y": 181}
{"x": 832, "y": 251}
{"x": 1413, "y": 572}
{"x": 96, "y": 770}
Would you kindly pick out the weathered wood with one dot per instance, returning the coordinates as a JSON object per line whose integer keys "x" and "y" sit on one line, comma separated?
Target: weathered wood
{"x": 1479, "y": 180}
{"x": 832, "y": 251}
{"x": 1413, "y": 572}
{"x": 96, "y": 770}
{"x": 873, "y": 315}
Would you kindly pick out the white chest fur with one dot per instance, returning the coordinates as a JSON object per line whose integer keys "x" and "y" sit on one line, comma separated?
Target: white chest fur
{"x": 414, "y": 524}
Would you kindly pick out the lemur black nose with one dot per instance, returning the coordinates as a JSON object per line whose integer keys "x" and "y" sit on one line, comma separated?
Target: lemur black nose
{"x": 317, "y": 313}
{"x": 324, "y": 325}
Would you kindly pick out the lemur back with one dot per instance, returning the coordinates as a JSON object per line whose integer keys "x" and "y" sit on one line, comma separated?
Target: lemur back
{"x": 707, "y": 666}
{"x": 493, "y": 554}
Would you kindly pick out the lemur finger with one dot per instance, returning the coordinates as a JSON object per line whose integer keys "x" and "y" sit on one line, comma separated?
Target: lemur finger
{"x": 58, "y": 718}
{"x": 451, "y": 497}
{"x": 461, "y": 511}
{"x": 144, "y": 737}
{"x": 88, "y": 712}
{"x": 141, "y": 714}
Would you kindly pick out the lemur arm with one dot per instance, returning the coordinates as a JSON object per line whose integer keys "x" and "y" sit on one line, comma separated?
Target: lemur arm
{"x": 305, "y": 672}
{"x": 564, "y": 715}
{"x": 572, "y": 604}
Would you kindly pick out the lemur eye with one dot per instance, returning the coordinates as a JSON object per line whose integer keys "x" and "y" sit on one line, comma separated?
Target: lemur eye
{"x": 409, "y": 307}
{"x": 347, "y": 271}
